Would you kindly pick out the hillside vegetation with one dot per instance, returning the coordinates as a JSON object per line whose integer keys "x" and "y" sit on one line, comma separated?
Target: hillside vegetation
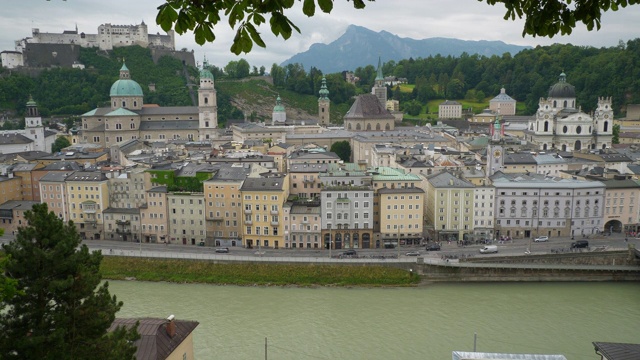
{"x": 470, "y": 79}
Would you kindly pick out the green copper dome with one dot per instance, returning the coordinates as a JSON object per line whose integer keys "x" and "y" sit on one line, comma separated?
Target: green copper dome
{"x": 324, "y": 92}
{"x": 278, "y": 107}
{"x": 206, "y": 74}
{"x": 125, "y": 86}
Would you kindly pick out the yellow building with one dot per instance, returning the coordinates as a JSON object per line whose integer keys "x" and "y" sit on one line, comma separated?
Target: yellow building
{"x": 262, "y": 203}
{"x": 401, "y": 215}
{"x": 223, "y": 206}
{"x": 88, "y": 198}
{"x": 10, "y": 189}
{"x": 449, "y": 213}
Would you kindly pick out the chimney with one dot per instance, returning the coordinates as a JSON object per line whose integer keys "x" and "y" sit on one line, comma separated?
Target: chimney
{"x": 171, "y": 326}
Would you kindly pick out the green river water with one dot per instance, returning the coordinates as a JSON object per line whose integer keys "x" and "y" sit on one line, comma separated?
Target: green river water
{"x": 393, "y": 323}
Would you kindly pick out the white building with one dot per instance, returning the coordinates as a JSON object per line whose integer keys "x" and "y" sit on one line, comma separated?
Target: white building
{"x": 450, "y": 110}
{"x": 560, "y": 124}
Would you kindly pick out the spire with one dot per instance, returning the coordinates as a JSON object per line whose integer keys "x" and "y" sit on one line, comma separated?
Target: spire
{"x": 124, "y": 71}
{"x": 324, "y": 92}
{"x": 563, "y": 77}
{"x": 379, "y": 72}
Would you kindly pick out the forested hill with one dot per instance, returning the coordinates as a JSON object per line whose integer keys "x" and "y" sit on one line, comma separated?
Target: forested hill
{"x": 73, "y": 91}
{"x": 527, "y": 76}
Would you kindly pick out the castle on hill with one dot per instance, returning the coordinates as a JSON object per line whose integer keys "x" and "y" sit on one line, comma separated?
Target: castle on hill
{"x": 108, "y": 37}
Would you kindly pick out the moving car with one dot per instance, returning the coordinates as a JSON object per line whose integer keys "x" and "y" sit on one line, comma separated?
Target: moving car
{"x": 489, "y": 249}
{"x": 413, "y": 253}
{"x": 222, "y": 250}
{"x": 541, "y": 239}
{"x": 580, "y": 244}
{"x": 433, "y": 247}
{"x": 350, "y": 253}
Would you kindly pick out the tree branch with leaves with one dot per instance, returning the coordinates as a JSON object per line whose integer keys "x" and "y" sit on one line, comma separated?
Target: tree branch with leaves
{"x": 542, "y": 18}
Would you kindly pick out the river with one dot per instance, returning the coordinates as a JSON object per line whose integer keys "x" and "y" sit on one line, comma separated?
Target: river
{"x": 392, "y": 323}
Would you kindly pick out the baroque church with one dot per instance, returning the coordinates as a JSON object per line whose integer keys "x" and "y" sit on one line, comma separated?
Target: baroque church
{"x": 369, "y": 111}
{"x": 561, "y": 125}
{"x": 128, "y": 117}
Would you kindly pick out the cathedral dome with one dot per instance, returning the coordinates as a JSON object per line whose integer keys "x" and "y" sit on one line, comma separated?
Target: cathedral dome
{"x": 206, "y": 74}
{"x": 562, "y": 89}
{"x": 125, "y": 86}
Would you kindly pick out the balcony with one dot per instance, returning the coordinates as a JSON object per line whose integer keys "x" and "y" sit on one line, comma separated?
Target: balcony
{"x": 247, "y": 212}
{"x": 248, "y": 222}
{"x": 309, "y": 181}
{"x": 305, "y": 222}
{"x": 123, "y": 222}
{"x": 274, "y": 212}
{"x": 275, "y": 223}
{"x": 123, "y": 231}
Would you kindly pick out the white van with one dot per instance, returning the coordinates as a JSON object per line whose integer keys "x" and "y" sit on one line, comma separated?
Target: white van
{"x": 489, "y": 249}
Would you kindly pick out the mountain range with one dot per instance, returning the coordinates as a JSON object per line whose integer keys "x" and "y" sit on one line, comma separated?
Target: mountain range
{"x": 359, "y": 47}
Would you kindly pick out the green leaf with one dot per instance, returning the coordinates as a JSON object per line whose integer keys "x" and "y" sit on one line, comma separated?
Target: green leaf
{"x": 167, "y": 15}
{"x": 255, "y": 35}
{"x": 309, "y": 7}
{"x": 326, "y": 5}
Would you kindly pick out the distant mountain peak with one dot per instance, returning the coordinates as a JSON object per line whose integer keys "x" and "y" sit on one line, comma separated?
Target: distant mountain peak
{"x": 359, "y": 47}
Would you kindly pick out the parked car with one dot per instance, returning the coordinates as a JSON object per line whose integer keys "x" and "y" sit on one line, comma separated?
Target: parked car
{"x": 413, "y": 253}
{"x": 580, "y": 244}
{"x": 433, "y": 247}
{"x": 541, "y": 239}
{"x": 489, "y": 249}
{"x": 222, "y": 250}
{"x": 350, "y": 253}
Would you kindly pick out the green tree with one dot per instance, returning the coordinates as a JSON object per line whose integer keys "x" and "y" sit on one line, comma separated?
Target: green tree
{"x": 60, "y": 309}
{"x": 342, "y": 149}
{"x": 60, "y": 143}
{"x": 552, "y": 18}
{"x": 615, "y": 130}
{"x": 243, "y": 69}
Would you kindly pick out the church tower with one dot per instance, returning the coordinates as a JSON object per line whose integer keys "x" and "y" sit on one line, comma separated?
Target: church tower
{"x": 379, "y": 89}
{"x": 207, "y": 105}
{"x": 279, "y": 114}
{"x": 33, "y": 127}
{"x": 603, "y": 117}
{"x": 323, "y": 104}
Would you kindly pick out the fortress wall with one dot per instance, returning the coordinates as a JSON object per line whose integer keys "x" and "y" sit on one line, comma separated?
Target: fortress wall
{"x": 185, "y": 56}
{"x": 50, "y": 55}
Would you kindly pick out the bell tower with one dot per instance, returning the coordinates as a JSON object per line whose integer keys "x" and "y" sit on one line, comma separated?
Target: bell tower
{"x": 324, "y": 104}
{"x": 33, "y": 127}
{"x": 207, "y": 105}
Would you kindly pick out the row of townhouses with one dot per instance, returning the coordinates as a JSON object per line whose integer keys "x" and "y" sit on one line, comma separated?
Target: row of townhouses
{"x": 139, "y": 172}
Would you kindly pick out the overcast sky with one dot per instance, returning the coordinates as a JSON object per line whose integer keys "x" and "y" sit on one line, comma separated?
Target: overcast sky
{"x": 417, "y": 19}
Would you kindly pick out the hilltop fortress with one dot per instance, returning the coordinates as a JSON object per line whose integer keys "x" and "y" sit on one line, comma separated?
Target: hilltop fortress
{"x": 52, "y": 49}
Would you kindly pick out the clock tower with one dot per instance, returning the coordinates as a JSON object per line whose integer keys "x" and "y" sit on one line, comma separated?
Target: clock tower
{"x": 495, "y": 159}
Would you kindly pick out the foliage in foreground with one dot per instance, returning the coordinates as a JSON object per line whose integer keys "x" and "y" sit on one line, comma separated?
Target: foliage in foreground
{"x": 58, "y": 310}
{"x": 189, "y": 271}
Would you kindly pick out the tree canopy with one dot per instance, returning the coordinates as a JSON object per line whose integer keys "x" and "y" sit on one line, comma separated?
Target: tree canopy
{"x": 58, "y": 308}
{"x": 547, "y": 18}
{"x": 342, "y": 149}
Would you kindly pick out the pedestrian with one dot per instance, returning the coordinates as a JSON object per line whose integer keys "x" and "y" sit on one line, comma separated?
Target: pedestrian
{"x": 625, "y": 239}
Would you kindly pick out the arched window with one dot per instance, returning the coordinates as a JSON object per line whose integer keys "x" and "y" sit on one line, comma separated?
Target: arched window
{"x": 358, "y": 127}
{"x": 206, "y": 100}
{"x": 565, "y": 103}
{"x": 368, "y": 127}
{"x": 546, "y": 126}
{"x": 554, "y": 103}
{"x": 349, "y": 126}
{"x": 124, "y": 104}
{"x": 377, "y": 126}
{"x": 387, "y": 127}
{"x": 606, "y": 126}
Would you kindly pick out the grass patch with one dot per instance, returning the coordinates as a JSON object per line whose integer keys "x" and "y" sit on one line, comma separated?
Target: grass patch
{"x": 193, "y": 271}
